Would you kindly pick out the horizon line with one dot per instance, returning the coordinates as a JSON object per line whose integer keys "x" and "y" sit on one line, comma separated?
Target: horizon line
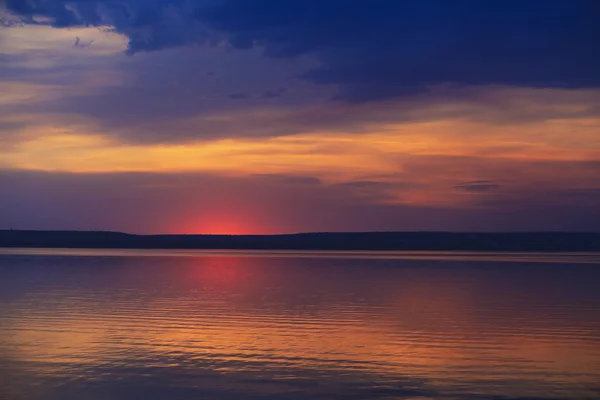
{"x": 301, "y": 233}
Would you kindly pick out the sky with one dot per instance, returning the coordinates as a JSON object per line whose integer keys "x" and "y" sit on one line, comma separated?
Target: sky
{"x": 271, "y": 116}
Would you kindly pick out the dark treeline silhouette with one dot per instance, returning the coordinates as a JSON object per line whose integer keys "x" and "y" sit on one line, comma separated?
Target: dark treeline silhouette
{"x": 520, "y": 241}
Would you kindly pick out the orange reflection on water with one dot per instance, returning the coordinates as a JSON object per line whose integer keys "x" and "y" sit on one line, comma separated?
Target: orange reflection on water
{"x": 234, "y": 314}
{"x": 227, "y": 335}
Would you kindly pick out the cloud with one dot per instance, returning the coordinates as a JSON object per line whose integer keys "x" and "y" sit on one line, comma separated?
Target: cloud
{"x": 365, "y": 184}
{"x": 126, "y": 107}
{"x": 370, "y": 50}
{"x": 289, "y": 179}
{"x": 150, "y": 25}
{"x": 477, "y": 186}
{"x": 386, "y": 49}
{"x": 150, "y": 95}
{"x": 170, "y": 96}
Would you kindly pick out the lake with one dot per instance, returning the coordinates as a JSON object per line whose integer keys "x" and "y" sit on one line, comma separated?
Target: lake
{"x": 129, "y": 324}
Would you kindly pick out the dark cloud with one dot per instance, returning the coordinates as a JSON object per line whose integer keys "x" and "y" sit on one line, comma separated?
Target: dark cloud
{"x": 477, "y": 186}
{"x": 162, "y": 91}
{"x": 150, "y": 24}
{"x": 365, "y": 184}
{"x": 134, "y": 113}
{"x": 154, "y": 92}
{"x": 290, "y": 179}
{"x": 386, "y": 48}
{"x": 370, "y": 49}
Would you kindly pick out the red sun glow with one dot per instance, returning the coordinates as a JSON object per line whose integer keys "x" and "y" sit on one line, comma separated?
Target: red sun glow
{"x": 226, "y": 223}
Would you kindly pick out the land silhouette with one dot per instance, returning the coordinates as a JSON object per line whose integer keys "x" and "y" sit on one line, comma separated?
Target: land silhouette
{"x": 505, "y": 241}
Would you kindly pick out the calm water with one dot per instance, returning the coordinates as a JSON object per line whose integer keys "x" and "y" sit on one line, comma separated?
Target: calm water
{"x": 215, "y": 325}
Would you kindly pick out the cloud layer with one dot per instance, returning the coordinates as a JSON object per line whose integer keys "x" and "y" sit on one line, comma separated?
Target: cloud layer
{"x": 369, "y": 49}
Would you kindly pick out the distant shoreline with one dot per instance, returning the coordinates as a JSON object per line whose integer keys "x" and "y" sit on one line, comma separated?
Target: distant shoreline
{"x": 361, "y": 241}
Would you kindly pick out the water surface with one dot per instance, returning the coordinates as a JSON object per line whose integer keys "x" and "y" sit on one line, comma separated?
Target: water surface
{"x": 81, "y": 324}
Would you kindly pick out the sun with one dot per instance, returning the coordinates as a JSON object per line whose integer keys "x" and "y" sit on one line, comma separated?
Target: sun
{"x": 224, "y": 226}
{"x": 224, "y": 223}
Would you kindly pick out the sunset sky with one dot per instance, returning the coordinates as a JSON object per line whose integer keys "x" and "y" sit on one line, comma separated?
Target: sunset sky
{"x": 281, "y": 116}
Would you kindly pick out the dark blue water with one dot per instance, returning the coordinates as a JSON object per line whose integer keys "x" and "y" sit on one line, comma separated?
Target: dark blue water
{"x": 112, "y": 325}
